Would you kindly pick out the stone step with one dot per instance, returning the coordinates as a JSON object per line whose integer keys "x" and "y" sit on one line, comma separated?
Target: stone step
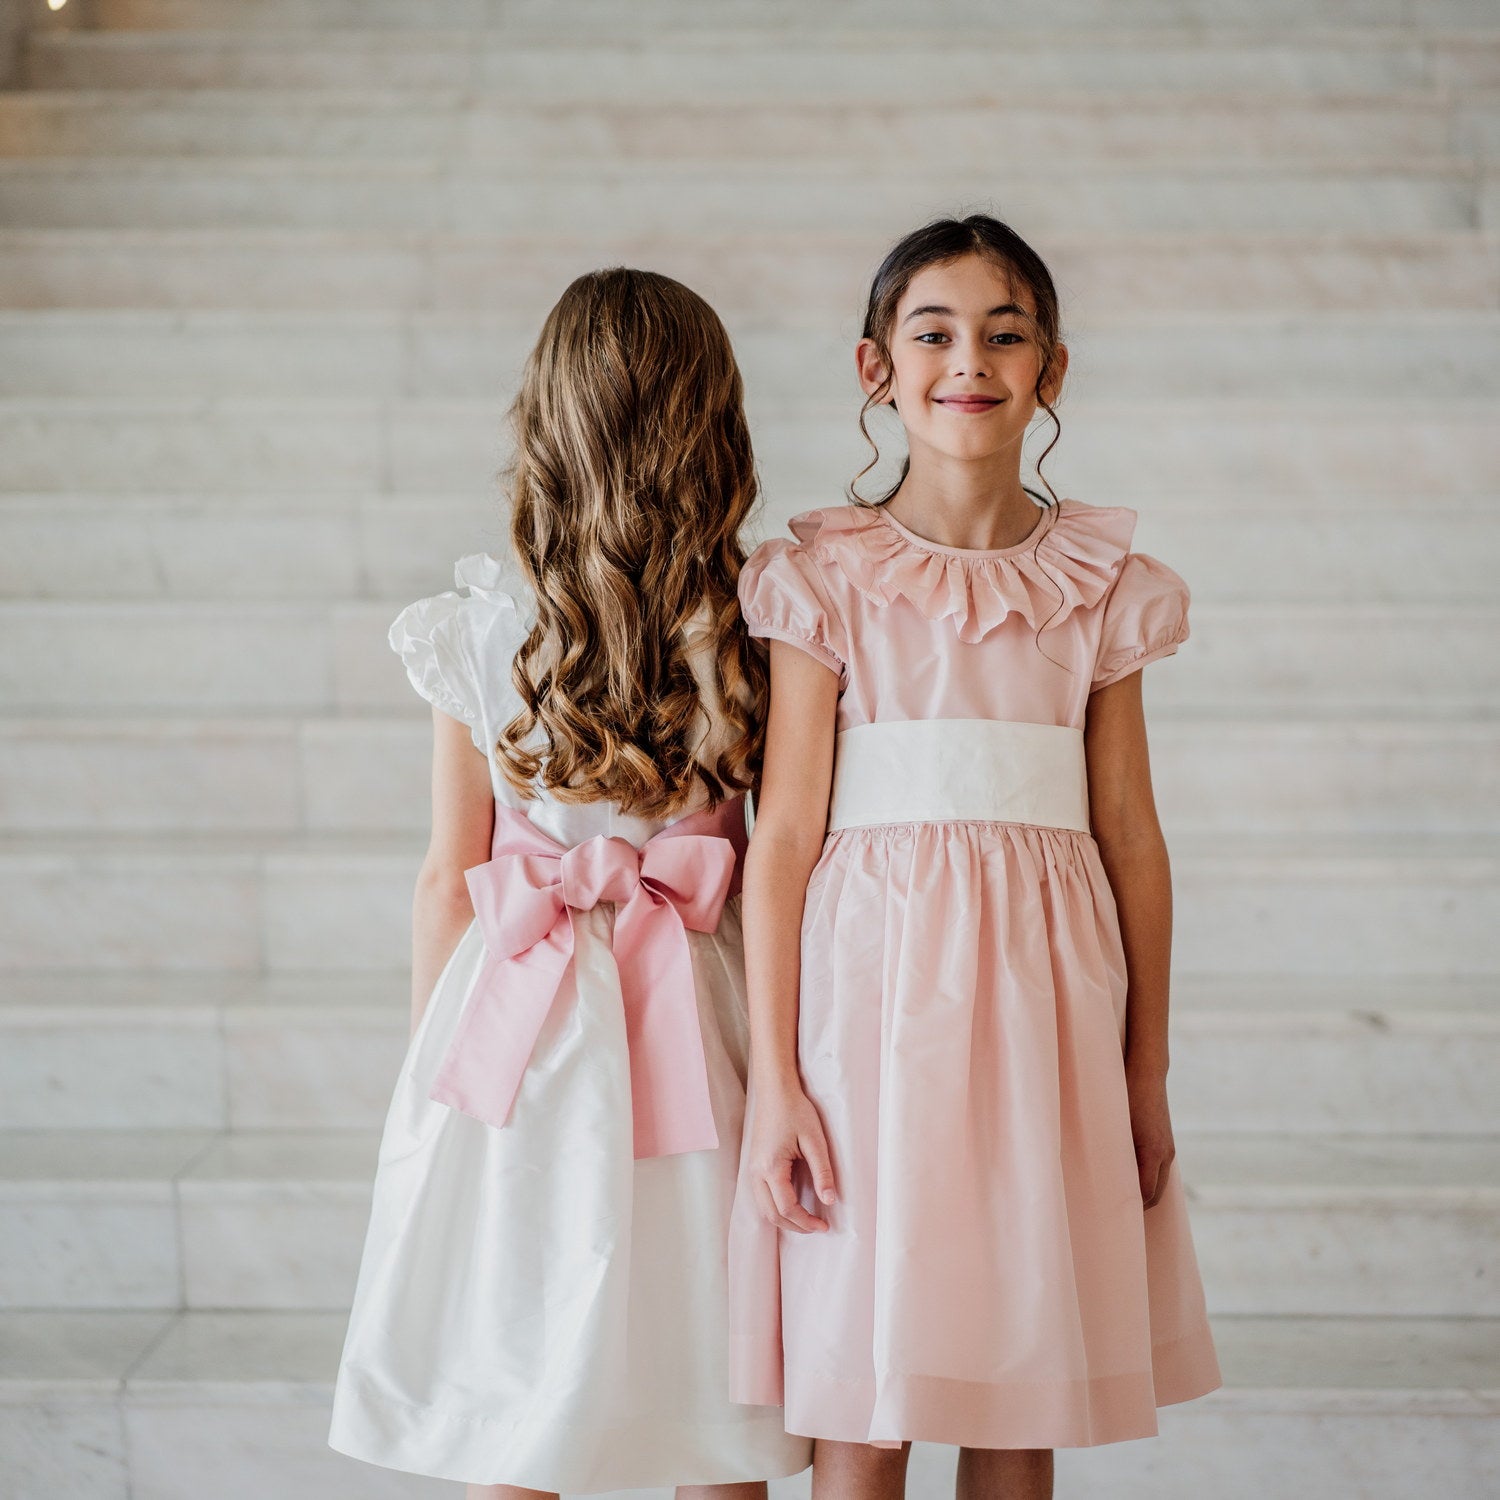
{"x": 1335, "y": 906}
{"x": 317, "y": 546}
{"x": 455, "y": 127}
{"x": 146, "y": 1405}
{"x": 754, "y": 276}
{"x": 426, "y": 355}
{"x": 275, "y": 1219}
{"x": 442, "y": 15}
{"x": 1367, "y": 195}
{"x": 192, "y": 775}
{"x": 232, "y": 1051}
{"x": 1134, "y": 452}
{"x": 303, "y": 658}
{"x": 846, "y": 62}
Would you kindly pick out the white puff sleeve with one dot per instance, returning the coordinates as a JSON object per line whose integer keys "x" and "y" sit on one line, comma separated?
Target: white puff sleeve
{"x": 457, "y": 647}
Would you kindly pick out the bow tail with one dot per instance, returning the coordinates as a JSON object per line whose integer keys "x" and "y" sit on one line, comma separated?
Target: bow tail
{"x": 669, "y": 1092}
{"x": 481, "y": 1072}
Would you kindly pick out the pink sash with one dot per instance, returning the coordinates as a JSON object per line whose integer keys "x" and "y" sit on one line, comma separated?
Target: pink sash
{"x": 523, "y": 901}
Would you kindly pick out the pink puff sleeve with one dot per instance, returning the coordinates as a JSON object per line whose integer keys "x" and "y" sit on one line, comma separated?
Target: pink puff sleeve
{"x": 1145, "y": 616}
{"x": 783, "y": 598}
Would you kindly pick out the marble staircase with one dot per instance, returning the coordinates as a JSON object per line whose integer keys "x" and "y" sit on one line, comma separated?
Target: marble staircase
{"x": 267, "y": 270}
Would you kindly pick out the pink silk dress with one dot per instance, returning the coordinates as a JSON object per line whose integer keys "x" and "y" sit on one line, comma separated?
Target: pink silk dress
{"x": 989, "y": 1278}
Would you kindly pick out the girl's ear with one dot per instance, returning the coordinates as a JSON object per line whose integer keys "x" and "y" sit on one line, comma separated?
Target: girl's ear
{"x": 1051, "y": 388}
{"x": 873, "y": 370}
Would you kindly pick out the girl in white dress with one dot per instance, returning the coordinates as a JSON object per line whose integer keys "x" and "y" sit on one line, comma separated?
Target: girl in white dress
{"x": 542, "y": 1300}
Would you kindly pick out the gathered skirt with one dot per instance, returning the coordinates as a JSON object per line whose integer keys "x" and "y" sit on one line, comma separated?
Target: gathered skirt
{"x": 535, "y": 1306}
{"x": 990, "y": 1277}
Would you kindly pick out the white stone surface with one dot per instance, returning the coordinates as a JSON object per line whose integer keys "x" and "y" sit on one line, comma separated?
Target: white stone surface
{"x": 1330, "y": 194}
{"x": 91, "y": 1222}
{"x": 749, "y": 274}
{"x": 83, "y": 907}
{"x": 1359, "y": 1407}
{"x": 275, "y": 1220}
{"x": 72, "y": 1448}
{"x": 450, "y": 126}
{"x": 849, "y": 64}
{"x": 150, "y": 774}
{"x": 249, "y": 406}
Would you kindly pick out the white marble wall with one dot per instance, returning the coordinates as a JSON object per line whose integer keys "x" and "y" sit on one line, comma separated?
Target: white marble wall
{"x": 244, "y": 413}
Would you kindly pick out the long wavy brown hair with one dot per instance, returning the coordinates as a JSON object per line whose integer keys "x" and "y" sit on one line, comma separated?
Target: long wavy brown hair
{"x": 632, "y": 476}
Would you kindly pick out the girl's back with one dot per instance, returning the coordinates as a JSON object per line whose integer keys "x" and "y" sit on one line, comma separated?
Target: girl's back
{"x": 459, "y": 650}
{"x": 542, "y": 1300}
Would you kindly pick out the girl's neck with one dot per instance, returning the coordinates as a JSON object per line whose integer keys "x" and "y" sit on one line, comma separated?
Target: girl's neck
{"x": 969, "y": 506}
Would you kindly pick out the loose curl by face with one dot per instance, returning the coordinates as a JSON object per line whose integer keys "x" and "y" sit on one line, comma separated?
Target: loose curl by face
{"x": 632, "y": 476}
{"x": 936, "y": 244}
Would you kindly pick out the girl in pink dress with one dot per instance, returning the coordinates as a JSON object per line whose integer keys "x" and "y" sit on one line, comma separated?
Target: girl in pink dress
{"x": 958, "y": 1218}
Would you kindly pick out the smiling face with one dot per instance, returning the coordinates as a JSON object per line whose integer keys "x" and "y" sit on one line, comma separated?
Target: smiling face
{"x": 964, "y": 363}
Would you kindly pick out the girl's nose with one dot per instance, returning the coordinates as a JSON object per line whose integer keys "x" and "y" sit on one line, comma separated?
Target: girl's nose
{"x": 972, "y": 361}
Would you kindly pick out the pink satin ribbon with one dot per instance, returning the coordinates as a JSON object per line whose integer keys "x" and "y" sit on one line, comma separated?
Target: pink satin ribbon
{"x": 523, "y": 901}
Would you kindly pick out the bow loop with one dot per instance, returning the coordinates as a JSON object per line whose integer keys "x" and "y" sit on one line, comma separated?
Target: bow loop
{"x": 692, "y": 873}
{"x": 523, "y": 904}
{"x": 600, "y": 869}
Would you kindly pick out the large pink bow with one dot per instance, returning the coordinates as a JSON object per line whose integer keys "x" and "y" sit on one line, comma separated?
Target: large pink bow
{"x": 524, "y": 899}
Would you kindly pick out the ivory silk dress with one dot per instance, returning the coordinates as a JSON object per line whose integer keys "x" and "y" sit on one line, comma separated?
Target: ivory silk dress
{"x": 990, "y": 1277}
{"x": 542, "y": 1300}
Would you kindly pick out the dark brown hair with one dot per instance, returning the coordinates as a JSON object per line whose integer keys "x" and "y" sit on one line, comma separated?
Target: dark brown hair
{"x": 936, "y": 244}
{"x": 632, "y": 476}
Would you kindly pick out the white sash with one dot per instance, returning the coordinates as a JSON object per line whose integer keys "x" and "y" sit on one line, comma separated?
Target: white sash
{"x": 960, "y": 770}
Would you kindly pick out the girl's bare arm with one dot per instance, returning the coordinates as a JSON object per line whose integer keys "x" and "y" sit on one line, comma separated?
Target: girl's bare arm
{"x": 463, "y": 823}
{"x": 1122, "y": 810}
{"x": 791, "y": 815}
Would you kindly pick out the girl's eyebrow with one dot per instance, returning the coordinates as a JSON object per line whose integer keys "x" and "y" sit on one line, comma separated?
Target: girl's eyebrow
{"x": 947, "y": 312}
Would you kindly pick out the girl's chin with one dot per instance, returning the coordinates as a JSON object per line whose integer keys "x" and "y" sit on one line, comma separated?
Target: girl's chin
{"x": 987, "y": 449}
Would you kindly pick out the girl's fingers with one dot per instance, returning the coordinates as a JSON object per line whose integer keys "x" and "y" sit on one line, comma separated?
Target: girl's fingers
{"x": 792, "y": 1214}
{"x": 814, "y": 1149}
{"x": 1153, "y": 1177}
{"x": 768, "y": 1208}
{"x": 763, "y": 1202}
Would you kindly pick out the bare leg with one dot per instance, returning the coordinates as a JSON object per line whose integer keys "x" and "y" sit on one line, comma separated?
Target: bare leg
{"x": 752, "y": 1491}
{"x": 856, "y": 1471}
{"x": 1004, "y": 1474}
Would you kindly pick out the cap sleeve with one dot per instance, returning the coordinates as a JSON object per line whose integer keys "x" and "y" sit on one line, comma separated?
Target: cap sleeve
{"x": 1145, "y": 616}
{"x": 456, "y": 647}
{"x": 783, "y": 598}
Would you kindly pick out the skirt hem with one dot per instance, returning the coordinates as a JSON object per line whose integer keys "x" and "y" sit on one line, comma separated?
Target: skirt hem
{"x": 421, "y": 1440}
{"x": 1004, "y": 1415}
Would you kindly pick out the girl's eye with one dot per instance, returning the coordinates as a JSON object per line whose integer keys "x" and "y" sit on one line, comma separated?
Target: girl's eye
{"x": 933, "y": 336}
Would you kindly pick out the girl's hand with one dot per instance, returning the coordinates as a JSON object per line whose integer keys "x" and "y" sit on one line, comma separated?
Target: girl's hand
{"x": 788, "y": 1129}
{"x": 1151, "y": 1127}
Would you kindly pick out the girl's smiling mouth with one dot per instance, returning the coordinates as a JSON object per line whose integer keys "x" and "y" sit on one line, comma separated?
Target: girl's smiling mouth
{"x": 975, "y": 404}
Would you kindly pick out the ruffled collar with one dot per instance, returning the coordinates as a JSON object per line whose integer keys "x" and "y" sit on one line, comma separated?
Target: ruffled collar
{"x": 1067, "y": 563}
